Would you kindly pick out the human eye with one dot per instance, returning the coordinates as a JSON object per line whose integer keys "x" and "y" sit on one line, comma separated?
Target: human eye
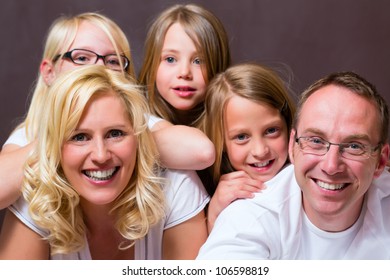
{"x": 197, "y": 61}
{"x": 115, "y": 133}
{"x": 315, "y": 142}
{"x": 272, "y": 131}
{"x": 241, "y": 138}
{"x": 79, "y": 137}
{"x": 112, "y": 60}
{"x": 354, "y": 148}
{"x": 82, "y": 57}
{"x": 170, "y": 59}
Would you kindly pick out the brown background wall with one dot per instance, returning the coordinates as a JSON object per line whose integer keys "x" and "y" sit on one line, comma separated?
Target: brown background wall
{"x": 304, "y": 39}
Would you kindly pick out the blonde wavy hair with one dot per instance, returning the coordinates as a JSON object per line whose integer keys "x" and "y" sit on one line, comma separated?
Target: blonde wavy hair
{"x": 210, "y": 39}
{"x": 251, "y": 81}
{"x": 59, "y": 39}
{"x": 53, "y": 203}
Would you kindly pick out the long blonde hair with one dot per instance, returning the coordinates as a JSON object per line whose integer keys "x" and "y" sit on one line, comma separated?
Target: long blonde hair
{"x": 252, "y": 81}
{"x": 59, "y": 39}
{"x": 53, "y": 203}
{"x": 209, "y": 37}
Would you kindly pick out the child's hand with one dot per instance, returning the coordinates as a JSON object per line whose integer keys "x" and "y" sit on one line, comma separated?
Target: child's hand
{"x": 231, "y": 186}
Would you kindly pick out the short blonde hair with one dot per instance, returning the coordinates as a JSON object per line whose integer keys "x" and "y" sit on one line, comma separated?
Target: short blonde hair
{"x": 53, "y": 203}
{"x": 207, "y": 33}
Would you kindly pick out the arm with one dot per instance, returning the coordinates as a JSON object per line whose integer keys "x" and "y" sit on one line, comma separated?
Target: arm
{"x": 183, "y": 147}
{"x": 231, "y": 186}
{"x": 12, "y": 159}
{"x": 18, "y": 242}
{"x": 182, "y": 242}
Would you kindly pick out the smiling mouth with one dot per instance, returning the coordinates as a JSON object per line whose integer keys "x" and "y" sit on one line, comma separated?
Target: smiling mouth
{"x": 101, "y": 175}
{"x": 261, "y": 164}
{"x": 331, "y": 187}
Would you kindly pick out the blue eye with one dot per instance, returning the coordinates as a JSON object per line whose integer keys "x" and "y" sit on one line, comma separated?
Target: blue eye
{"x": 115, "y": 133}
{"x": 272, "y": 130}
{"x": 197, "y": 61}
{"x": 79, "y": 137}
{"x": 241, "y": 137}
{"x": 316, "y": 140}
{"x": 170, "y": 59}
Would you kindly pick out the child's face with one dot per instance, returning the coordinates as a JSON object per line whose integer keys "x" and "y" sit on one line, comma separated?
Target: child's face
{"x": 100, "y": 156}
{"x": 179, "y": 76}
{"x": 256, "y": 138}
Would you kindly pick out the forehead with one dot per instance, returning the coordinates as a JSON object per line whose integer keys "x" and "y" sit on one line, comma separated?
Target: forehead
{"x": 92, "y": 37}
{"x": 177, "y": 36}
{"x": 339, "y": 113}
{"x": 240, "y": 111}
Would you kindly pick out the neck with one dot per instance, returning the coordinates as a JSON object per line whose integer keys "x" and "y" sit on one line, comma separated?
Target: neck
{"x": 334, "y": 221}
{"x": 188, "y": 117}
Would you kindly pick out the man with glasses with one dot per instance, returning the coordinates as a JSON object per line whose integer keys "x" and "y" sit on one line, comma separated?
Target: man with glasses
{"x": 333, "y": 202}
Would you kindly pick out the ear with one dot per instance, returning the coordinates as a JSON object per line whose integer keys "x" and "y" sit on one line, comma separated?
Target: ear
{"x": 383, "y": 160}
{"x": 291, "y": 144}
{"x": 47, "y": 71}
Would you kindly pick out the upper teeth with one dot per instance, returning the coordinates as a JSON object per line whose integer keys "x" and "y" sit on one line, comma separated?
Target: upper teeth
{"x": 261, "y": 164}
{"x": 101, "y": 174}
{"x": 328, "y": 186}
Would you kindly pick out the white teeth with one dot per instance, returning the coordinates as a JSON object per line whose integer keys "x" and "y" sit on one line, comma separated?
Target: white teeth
{"x": 261, "y": 164}
{"x": 100, "y": 174}
{"x": 328, "y": 186}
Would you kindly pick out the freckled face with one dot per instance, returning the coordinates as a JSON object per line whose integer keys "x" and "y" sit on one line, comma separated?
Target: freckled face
{"x": 256, "y": 138}
{"x": 99, "y": 158}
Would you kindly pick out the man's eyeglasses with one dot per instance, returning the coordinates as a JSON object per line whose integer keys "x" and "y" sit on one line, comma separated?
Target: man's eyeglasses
{"x": 317, "y": 146}
{"x": 86, "y": 57}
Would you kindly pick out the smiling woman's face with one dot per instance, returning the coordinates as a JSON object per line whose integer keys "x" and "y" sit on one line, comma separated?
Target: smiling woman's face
{"x": 99, "y": 158}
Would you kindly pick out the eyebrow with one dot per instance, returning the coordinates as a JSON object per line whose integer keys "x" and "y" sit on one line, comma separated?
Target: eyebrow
{"x": 346, "y": 139}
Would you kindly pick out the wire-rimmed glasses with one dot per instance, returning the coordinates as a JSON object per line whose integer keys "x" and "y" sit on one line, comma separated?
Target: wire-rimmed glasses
{"x": 317, "y": 146}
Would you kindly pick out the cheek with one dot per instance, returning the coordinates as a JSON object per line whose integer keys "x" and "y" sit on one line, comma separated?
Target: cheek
{"x": 280, "y": 146}
{"x": 71, "y": 161}
{"x": 236, "y": 154}
{"x": 128, "y": 153}
{"x": 161, "y": 76}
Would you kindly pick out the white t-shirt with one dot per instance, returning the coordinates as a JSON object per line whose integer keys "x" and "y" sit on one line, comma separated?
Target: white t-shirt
{"x": 185, "y": 198}
{"x": 273, "y": 225}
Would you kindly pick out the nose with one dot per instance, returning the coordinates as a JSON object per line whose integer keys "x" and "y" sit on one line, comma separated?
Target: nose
{"x": 185, "y": 71}
{"x": 332, "y": 162}
{"x": 259, "y": 148}
{"x": 100, "y": 61}
{"x": 100, "y": 152}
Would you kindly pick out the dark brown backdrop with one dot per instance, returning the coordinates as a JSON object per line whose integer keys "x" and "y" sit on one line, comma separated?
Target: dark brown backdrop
{"x": 304, "y": 39}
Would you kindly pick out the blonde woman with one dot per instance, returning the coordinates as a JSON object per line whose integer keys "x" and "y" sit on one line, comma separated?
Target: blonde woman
{"x": 73, "y": 42}
{"x": 92, "y": 188}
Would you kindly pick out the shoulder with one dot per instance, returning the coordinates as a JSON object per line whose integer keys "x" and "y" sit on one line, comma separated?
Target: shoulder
{"x": 379, "y": 191}
{"x": 280, "y": 191}
{"x": 18, "y": 137}
{"x": 20, "y": 209}
{"x": 185, "y": 195}
{"x": 152, "y": 120}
